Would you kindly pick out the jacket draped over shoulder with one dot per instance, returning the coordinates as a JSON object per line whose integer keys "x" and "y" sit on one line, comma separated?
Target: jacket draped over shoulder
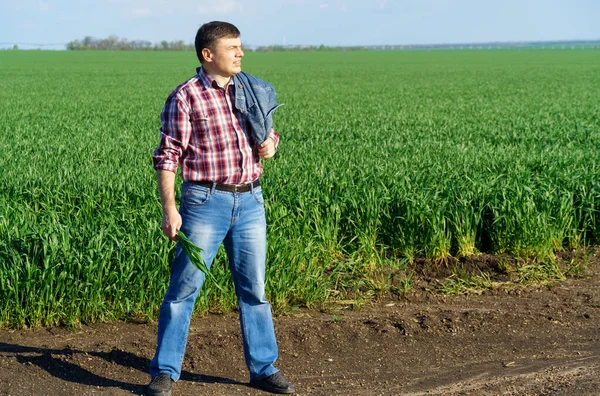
{"x": 256, "y": 99}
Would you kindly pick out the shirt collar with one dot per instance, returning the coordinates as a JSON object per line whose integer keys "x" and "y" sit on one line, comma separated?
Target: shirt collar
{"x": 207, "y": 80}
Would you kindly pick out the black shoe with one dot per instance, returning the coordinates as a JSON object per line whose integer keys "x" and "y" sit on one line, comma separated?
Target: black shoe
{"x": 160, "y": 385}
{"x": 274, "y": 383}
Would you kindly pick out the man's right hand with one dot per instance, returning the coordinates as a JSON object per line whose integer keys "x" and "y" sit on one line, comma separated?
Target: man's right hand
{"x": 171, "y": 222}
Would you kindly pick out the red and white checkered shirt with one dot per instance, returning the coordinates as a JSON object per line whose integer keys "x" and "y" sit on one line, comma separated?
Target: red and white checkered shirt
{"x": 204, "y": 133}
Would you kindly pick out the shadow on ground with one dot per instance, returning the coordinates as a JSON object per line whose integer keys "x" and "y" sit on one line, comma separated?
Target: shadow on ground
{"x": 57, "y": 362}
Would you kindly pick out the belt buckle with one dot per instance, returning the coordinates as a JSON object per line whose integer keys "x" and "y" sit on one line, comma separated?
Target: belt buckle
{"x": 238, "y": 188}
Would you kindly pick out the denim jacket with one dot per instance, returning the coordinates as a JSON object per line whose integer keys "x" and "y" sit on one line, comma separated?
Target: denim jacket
{"x": 257, "y": 100}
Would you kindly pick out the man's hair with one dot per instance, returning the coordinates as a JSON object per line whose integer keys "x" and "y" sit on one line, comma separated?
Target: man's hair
{"x": 211, "y": 32}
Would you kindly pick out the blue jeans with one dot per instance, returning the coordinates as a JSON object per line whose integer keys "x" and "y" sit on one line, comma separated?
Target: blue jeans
{"x": 211, "y": 217}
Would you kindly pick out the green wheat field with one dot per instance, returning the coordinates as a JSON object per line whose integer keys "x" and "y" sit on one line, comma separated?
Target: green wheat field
{"x": 385, "y": 157}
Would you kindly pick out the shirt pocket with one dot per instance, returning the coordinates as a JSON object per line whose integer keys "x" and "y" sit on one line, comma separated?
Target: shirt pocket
{"x": 199, "y": 120}
{"x": 202, "y": 137}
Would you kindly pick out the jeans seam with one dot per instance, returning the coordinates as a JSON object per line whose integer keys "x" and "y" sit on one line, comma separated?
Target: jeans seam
{"x": 242, "y": 319}
{"x": 243, "y": 316}
{"x": 184, "y": 346}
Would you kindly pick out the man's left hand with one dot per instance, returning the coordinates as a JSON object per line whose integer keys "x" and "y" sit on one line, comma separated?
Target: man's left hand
{"x": 267, "y": 148}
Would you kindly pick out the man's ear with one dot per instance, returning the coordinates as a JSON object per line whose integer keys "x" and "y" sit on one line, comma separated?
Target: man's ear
{"x": 207, "y": 54}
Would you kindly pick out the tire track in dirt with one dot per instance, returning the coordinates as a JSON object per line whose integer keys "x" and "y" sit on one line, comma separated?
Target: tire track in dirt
{"x": 522, "y": 377}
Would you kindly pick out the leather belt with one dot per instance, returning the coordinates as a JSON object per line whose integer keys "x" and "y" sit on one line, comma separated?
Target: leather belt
{"x": 234, "y": 188}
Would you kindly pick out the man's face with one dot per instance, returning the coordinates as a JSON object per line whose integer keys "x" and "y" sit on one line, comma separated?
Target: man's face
{"x": 226, "y": 58}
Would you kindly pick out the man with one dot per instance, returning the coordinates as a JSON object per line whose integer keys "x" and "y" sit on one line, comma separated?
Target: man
{"x": 212, "y": 128}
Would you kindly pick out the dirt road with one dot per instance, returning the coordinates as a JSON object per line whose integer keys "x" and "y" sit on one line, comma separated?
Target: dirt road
{"x": 528, "y": 341}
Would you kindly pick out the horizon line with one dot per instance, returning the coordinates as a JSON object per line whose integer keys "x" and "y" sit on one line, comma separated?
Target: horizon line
{"x": 474, "y": 43}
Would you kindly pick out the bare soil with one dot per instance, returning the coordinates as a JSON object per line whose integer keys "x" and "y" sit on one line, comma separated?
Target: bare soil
{"x": 512, "y": 340}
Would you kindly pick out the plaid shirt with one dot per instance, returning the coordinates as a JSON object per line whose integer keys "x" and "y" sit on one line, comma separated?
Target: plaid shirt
{"x": 204, "y": 133}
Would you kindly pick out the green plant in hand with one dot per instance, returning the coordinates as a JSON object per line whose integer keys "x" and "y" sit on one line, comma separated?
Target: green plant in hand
{"x": 194, "y": 253}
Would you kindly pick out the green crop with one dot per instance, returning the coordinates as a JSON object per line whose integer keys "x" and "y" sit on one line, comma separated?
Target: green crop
{"x": 195, "y": 255}
{"x": 385, "y": 158}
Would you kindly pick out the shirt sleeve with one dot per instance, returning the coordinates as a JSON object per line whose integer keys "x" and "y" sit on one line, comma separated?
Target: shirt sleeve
{"x": 275, "y": 136}
{"x": 175, "y": 134}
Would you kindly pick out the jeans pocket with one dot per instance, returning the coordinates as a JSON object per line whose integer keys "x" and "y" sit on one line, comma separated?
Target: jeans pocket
{"x": 195, "y": 196}
{"x": 257, "y": 193}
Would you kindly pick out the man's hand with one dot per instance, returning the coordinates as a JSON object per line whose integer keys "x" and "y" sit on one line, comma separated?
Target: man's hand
{"x": 171, "y": 222}
{"x": 267, "y": 148}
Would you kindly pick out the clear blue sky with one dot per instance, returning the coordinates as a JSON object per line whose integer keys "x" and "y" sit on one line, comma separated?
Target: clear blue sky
{"x": 303, "y": 22}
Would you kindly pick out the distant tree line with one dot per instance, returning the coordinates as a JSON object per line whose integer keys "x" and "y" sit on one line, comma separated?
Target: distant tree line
{"x": 114, "y": 43}
{"x": 311, "y": 48}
